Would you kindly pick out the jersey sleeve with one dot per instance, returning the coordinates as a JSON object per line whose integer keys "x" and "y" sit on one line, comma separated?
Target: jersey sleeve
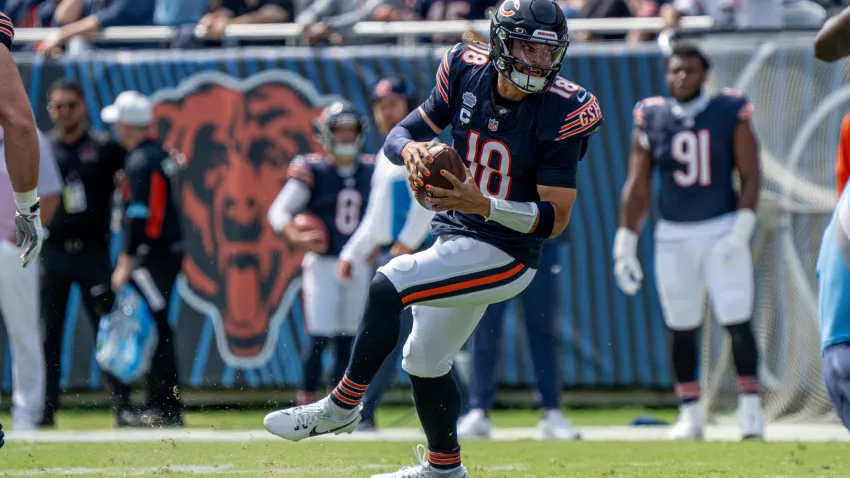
{"x": 145, "y": 212}
{"x": 7, "y": 30}
{"x": 559, "y": 165}
{"x": 579, "y": 114}
{"x": 299, "y": 169}
{"x": 438, "y": 106}
{"x": 742, "y": 105}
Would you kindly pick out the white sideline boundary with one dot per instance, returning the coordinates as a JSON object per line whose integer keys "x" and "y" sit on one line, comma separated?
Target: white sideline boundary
{"x": 777, "y": 432}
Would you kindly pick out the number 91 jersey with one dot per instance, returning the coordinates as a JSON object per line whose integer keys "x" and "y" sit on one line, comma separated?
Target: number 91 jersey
{"x": 509, "y": 150}
{"x": 694, "y": 152}
{"x": 338, "y": 194}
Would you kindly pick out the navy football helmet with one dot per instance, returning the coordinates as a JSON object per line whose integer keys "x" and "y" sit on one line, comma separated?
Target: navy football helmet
{"x": 337, "y": 115}
{"x": 528, "y": 41}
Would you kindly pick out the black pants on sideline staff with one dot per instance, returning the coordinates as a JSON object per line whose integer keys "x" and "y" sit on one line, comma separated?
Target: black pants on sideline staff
{"x": 88, "y": 265}
{"x": 154, "y": 278}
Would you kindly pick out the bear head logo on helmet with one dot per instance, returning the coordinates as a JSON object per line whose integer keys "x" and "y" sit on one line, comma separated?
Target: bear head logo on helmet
{"x": 528, "y": 41}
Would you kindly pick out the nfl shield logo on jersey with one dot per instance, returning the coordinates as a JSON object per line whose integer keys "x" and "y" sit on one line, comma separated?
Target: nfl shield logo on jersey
{"x": 493, "y": 125}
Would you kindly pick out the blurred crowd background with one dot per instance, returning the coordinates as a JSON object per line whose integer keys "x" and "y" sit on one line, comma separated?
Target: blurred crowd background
{"x": 330, "y": 22}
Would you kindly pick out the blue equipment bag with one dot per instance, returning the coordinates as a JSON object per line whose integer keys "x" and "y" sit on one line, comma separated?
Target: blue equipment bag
{"x": 127, "y": 337}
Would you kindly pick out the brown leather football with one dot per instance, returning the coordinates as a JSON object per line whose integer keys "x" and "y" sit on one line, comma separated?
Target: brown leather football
{"x": 445, "y": 157}
{"x": 305, "y": 222}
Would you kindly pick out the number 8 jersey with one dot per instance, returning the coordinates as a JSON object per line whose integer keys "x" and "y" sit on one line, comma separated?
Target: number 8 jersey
{"x": 509, "y": 150}
{"x": 692, "y": 147}
{"x": 338, "y": 194}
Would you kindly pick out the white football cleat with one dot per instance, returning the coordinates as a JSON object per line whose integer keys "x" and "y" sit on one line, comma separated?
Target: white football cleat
{"x": 556, "y": 427}
{"x": 423, "y": 469}
{"x": 689, "y": 424}
{"x": 750, "y": 417}
{"x": 298, "y": 423}
{"x": 474, "y": 424}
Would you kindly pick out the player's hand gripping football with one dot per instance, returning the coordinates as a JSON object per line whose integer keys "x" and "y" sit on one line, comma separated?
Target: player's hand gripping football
{"x": 28, "y": 230}
{"x": 465, "y": 197}
{"x": 416, "y": 157}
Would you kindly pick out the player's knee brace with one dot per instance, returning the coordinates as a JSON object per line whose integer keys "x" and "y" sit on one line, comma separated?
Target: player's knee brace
{"x": 744, "y": 349}
{"x": 419, "y": 363}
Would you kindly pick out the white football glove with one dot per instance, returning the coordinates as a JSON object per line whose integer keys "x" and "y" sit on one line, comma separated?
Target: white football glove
{"x": 29, "y": 231}
{"x": 627, "y": 268}
{"x": 738, "y": 239}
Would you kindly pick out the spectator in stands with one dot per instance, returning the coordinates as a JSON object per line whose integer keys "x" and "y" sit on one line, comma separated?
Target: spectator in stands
{"x": 604, "y": 9}
{"x": 571, "y": 8}
{"x": 183, "y": 15}
{"x": 748, "y": 15}
{"x": 331, "y": 21}
{"x": 80, "y": 17}
{"x": 31, "y": 13}
{"x": 246, "y": 12}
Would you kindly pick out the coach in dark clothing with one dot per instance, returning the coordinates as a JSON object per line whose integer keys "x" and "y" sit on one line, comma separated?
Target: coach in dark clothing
{"x": 77, "y": 247}
{"x": 151, "y": 253}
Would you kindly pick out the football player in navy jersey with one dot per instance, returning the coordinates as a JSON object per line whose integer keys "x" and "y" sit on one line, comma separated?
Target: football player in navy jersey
{"x": 335, "y": 187}
{"x": 702, "y": 240}
{"x": 521, "y": 130}
{"x": 21, "y": 147}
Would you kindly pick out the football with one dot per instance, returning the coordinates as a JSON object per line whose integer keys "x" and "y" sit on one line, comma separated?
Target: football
{"x": 310, "y": 222}
{"x": 445, "y": 157}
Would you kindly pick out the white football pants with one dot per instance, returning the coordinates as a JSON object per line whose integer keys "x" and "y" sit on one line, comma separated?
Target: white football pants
{"x": 19, "y": 306}
{"x": 449, "y": 287}
{"x": 332, "y": 306}
{"x": 686, "y": 266}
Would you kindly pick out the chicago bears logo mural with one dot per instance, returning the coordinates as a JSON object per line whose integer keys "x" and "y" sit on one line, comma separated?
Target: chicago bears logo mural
{"x": 238, "y": 137}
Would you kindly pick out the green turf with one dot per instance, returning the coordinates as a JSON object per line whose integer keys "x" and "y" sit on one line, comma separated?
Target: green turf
{"x": 483, "y": 459}
{"x": 387, "y": 417}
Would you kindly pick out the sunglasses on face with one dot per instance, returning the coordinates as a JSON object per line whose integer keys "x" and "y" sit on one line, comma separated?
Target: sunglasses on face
{"x": 62, "y": 106}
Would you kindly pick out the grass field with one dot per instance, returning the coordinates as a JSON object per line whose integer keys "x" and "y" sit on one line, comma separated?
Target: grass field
{"x": 232, "y": 443}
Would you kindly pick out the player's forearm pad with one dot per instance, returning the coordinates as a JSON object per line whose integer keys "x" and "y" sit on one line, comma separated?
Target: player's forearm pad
{"x": 521, "y": 216}
{"x": 411, "y": 128}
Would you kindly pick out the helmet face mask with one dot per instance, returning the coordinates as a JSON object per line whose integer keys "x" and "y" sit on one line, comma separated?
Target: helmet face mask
{"x": 338, "y": 116}
{"x": 528, "y": 41}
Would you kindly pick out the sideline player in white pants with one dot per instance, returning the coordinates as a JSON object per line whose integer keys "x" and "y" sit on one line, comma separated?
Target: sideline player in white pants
{"x": 334, "y": 186}
{"x": 19, "y": 294}
{"x": 21, "y": 152}
{"x": 702, "y": 241}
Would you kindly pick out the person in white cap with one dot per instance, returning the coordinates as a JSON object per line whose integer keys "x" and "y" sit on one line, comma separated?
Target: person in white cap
{"x": 151, "y": 253}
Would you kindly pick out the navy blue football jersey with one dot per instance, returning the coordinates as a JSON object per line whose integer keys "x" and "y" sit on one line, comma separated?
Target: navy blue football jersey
{"x": 694, "y": 156}
{"x": 339, "y": 195}
{"x": 509, "y": 151}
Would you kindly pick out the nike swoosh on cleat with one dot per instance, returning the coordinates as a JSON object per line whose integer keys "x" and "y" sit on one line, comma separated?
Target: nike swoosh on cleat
{"x": 313, "y": 432}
